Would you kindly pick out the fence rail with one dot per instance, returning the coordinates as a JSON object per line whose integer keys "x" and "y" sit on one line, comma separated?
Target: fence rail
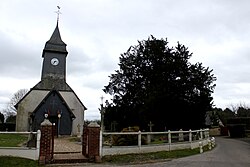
{"x": 24, "y": 133}
{"x": 25, "y": 152}
{"x": 147, "y": 141}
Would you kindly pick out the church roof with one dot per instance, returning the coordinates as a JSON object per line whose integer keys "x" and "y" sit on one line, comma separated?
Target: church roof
{"x": 55, "y": 43}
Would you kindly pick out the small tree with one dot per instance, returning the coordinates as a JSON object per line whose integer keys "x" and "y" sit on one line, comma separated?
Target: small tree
{"x": 14, "y": 100}
{"x": 10, "y": 110}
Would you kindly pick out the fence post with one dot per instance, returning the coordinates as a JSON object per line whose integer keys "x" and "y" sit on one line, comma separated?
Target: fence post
{"x": 38, "y": 137}
{"x": 201, "y": 145}
{"x": 169, "y": 137}
{"x": 204, "y": 133}
{"x": 190, "y": 135}
{"x": 207, "y": 133}
{"x": 201, "y": 134}
{"x": 101, "y": 142}
{"x": 139, "y": 139}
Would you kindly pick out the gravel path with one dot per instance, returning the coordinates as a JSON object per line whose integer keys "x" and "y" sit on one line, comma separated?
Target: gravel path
{"x": 62, "y": 144}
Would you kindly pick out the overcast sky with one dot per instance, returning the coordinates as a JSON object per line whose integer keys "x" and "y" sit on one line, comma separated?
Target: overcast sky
{"x": 96, "y": 32}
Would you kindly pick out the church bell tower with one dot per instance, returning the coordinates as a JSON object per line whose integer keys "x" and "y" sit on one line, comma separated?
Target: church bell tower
{"x": 54, "y": 54}
{"x": 54, "y": 63}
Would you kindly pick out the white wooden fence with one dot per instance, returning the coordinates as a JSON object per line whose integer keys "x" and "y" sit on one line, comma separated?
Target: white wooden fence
{"x": 174, "y": 140}
{"x": 25, "y": 152}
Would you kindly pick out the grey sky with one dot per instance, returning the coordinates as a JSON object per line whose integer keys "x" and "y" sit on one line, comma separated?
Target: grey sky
{"x": 96, "y": 32}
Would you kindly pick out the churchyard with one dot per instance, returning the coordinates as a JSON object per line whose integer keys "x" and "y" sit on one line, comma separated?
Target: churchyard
{"x": 146, "y": 142}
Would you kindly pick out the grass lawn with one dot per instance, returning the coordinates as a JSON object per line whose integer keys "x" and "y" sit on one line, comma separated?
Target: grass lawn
{"x": 12, "y": 140}
{"x": 8, "y": 161}
{"x": 151, "y": 157}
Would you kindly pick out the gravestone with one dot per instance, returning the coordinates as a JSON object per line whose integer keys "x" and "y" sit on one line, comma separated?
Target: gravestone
{"x": 149, "y": 136}
{"x": 181, "y": 136}
{"x": 150, "y": 126}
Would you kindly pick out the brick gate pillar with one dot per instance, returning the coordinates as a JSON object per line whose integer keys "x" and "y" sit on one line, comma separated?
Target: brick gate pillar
{"x": 91, "y": 142}
{"x": 46, "y": 142}
{"x": 85, "y": 141}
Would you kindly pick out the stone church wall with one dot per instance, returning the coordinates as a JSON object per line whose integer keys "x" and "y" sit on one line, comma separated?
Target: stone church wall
{"x": 26, "y": 107}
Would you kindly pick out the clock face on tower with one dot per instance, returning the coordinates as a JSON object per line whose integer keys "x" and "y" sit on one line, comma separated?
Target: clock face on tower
{"x": 54, "y": 61}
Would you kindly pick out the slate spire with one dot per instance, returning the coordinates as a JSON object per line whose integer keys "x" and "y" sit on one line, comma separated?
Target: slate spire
{"x": 55, "y": 43}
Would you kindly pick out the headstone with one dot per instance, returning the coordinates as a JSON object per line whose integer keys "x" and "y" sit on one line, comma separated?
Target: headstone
{"x": 181, "y": 137}
{"x": 113, "y": 126}
{"x": 149, "y": 136}
{"x": 150, "y": 126}
{"x": 129, "y": 128}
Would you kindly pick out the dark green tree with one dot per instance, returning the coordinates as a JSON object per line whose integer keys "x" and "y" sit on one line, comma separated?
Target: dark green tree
{"x": 11, "y": 119}
{"x": 225, "y": 114}
{"x": 157, "y": 83}
{"x": 243, "y": 112}
{"x": 1, "y": 117}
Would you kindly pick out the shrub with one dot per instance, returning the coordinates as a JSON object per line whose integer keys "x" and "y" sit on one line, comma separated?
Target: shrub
{"x": 128, "y": 140}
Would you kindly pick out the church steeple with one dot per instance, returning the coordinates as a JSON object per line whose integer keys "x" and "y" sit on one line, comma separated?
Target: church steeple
{"x": 55, "y": 43}
{"x": 54, "y": 63}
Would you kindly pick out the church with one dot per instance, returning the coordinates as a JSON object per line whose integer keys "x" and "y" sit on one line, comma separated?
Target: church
{"x": 52, "y": 96}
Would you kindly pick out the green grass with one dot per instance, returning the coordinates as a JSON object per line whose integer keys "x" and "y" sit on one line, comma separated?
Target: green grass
{"x": 150, "y": 157}
{"x": 12, "y": 140}
{"x": 8, "y": 161}
{"x": 75, "y": 139}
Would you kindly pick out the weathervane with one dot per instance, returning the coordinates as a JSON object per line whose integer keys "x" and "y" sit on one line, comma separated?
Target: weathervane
{"x": 58, "y": 12}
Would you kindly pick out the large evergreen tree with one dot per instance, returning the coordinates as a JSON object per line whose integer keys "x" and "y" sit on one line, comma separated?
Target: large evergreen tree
{"x": 157, "y": 83}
